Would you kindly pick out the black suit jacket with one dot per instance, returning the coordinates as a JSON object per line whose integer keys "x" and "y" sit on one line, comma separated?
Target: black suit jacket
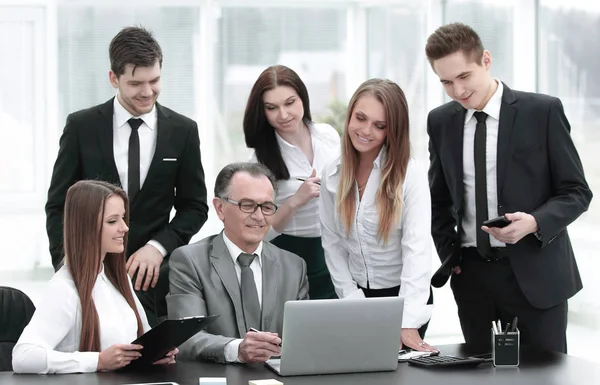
{"x": 86, "y": 152}
{"x": 538, "y": 172}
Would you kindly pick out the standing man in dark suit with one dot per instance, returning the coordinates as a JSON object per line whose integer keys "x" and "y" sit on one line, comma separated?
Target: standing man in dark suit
{"x": 498, "y": 152}
{"x": 146, "y": 148}
{"x": 236, "y": 274}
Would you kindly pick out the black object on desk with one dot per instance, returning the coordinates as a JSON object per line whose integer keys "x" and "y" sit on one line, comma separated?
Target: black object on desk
{"x": 445, "y": 361}
{"x": 506, "y": 347}
{"x": 166, "y": 336}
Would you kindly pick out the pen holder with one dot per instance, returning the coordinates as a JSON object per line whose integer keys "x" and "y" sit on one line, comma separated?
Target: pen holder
{"x": 506, "y": 348}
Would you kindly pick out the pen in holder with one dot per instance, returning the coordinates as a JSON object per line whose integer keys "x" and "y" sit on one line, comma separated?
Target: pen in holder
{"x": 506, "y": 348}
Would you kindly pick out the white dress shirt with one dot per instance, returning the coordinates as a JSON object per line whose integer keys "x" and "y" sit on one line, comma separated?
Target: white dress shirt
{"x": 50, "y": 342}
{"x": 326, "y": 148}
{"x": 147, "y": 133}
{"x": 469, "y": 223}
{"x": 232, "y": 348}
{"x": 360, "y": 258}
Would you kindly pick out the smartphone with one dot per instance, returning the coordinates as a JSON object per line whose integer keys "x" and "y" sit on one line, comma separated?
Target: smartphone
{"x": 497, "y": 222}
{"x": 405, "y": 356}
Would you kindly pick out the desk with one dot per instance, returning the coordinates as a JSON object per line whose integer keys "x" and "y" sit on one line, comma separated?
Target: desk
{"x": 537, "y": 367}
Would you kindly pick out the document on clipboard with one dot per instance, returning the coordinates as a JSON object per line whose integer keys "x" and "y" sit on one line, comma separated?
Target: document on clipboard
{"x": 168, "y": 335}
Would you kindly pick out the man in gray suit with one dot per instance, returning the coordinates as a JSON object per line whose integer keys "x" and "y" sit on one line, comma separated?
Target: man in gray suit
{"x": 236, "y": 274}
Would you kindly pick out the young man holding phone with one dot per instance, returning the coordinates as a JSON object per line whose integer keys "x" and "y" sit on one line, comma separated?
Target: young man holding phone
{"x": 496, "y": 152}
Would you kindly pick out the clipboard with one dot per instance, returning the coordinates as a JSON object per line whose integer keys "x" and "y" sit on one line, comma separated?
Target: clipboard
{"x": 166, "y": 336}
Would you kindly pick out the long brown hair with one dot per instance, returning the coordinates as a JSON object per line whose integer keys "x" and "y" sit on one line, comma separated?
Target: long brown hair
{"x": 397, "y": 145}
{"x": 259, "y": 134}
{"x": 84, "y": 216}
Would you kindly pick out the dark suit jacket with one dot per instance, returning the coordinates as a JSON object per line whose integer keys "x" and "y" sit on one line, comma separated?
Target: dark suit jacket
{"x": 86, "y": 152}
{"x": 203, "y": 282}
{"x": 538, "y": 172}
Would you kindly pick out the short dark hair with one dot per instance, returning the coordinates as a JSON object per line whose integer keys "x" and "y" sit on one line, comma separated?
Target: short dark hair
{"x": 223, "y": 181}
{"x": 451, "y": 38}
{"x": 259, "y": 134}
{"x": 133, "y": 45}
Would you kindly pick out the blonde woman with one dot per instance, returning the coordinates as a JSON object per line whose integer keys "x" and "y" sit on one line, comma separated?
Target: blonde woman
{"x": 375, "y": 210}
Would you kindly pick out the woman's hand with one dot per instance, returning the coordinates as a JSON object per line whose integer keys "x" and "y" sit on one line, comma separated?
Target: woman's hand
{"x": 311, "y": 188}
{"x": 118, "y": 356}
{"x": 410, "y": 338}
{"x": 168, "y": 359}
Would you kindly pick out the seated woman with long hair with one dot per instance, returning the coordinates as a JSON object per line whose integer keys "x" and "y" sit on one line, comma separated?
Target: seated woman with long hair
{"x": 89, "y": 314}
{"x": 376, "y": 212}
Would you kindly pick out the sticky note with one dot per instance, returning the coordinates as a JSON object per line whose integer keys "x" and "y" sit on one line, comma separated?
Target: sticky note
{"x": 265, "y": 382}
{"x": 213, "y": 381}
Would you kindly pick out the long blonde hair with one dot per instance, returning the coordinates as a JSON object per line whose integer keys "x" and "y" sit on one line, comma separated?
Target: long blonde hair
{"x": 397, "y": 145}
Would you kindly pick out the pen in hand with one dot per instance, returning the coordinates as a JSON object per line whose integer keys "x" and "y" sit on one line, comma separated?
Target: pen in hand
{"x": 304, "y": 180}
{"x": 258, "y": 331}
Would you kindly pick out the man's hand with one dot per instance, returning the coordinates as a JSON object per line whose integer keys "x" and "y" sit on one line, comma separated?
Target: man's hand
{"x": 411, "y": 338}
{"x": 146, "y": 261}
{"x": 522, "y": 224}
{"x": 259, "y": 347}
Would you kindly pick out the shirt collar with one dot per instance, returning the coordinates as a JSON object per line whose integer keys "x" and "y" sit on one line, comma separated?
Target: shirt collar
{"x": 377, "y": 163}
{"x": 283, "y": 144}
{"x": 492, "y": 108}
{"x": 102, "y": 274}
{"x": 235, "y": 251}
{"x": 122, "y": 115}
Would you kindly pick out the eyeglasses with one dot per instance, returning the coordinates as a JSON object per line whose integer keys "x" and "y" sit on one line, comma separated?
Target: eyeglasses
{"x": 250, "y": 207}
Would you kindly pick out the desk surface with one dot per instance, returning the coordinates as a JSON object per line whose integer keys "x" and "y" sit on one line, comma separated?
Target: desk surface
{"x": 536, "y": 368}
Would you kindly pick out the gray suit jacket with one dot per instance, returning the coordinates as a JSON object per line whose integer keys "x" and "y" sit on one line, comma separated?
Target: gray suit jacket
{"x": 203, "y": 282}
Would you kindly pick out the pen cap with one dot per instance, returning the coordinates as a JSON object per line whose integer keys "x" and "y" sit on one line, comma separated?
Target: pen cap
{"x": 506, "y": 348}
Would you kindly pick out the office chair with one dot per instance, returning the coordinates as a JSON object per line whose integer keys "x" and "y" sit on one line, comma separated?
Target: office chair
{"x": 16, "y": 310}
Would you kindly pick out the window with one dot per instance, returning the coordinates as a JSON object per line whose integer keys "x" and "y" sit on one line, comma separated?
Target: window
{"x": 568, "y": 68}
{"x": 22, "y": 135}
{"x": 493, "y": 21}
{"x": 311, "y": 42}
{"x": 396, "y": 51}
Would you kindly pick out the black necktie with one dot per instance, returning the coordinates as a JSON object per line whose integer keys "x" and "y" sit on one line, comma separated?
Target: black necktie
{"x": 133, "y": 162}
{"x": 481, "y": 206}
{"x": 250, "y": 303}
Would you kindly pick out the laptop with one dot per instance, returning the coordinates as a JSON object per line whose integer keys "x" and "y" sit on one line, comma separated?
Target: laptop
{"x": 339, "y": 336}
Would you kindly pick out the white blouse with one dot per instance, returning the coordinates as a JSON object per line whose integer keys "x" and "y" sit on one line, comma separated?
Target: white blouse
{"x": 360, "y": 258}
{"x": 50, "y": 342}
{"x": 326, "y": 148}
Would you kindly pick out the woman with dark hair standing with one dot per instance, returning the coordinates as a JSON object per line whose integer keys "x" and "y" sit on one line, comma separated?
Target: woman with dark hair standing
{"x": 376, "y": 212}
{"x": 279, "y": 127}
{"x": 90, "y": 312}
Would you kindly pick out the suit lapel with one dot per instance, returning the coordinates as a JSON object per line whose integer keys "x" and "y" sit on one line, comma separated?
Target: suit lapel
{"x": 456, "y": 146}
{"x": 505, "y": 128}
{"x": 223, "y": 265}
{"x": 164, "y": 130}
{"x": 270, "y": 282}
{"x": 104, "y": 130}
